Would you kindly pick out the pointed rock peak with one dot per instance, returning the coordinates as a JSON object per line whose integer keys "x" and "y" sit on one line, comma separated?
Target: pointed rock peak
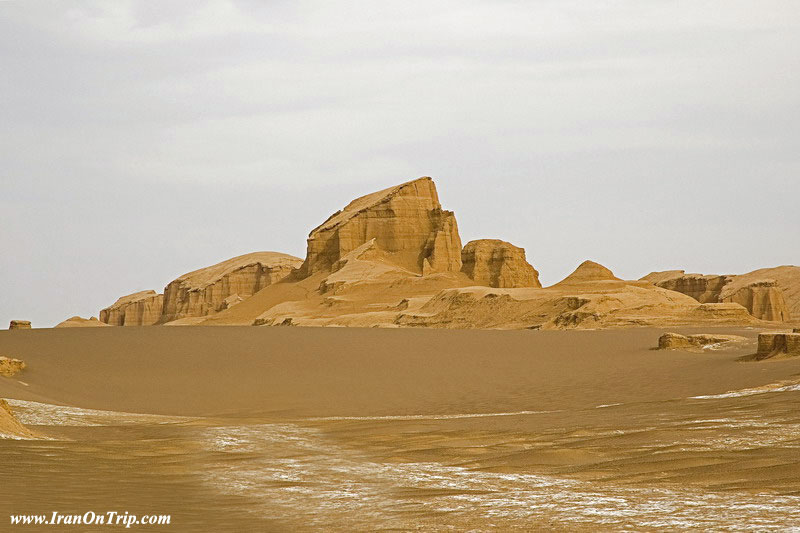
{"x": 407, "y": 223}
{"x": 590, "y": 271}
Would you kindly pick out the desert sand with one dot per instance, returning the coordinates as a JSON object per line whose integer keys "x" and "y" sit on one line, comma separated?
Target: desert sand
{"x": 361, "y": 429}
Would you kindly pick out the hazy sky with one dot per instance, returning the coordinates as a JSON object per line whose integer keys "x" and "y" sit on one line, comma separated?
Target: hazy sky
{"x": 143, "y": 139}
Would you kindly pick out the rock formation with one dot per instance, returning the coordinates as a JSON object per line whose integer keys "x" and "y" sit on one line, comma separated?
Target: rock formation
{"x": 218, "y": 287}
{"x": 673, "y": 341}
{"x": 777, "y": 345}
{"x": 762, "y": 297}
{"x": 20, "y": 324}
{"x": 10, "y": 367}
{"x": 589, "y": 271}
{"x": 496, "y": 263}
{"x": 141, "y": 308}
{"x": 407, "y": 223}
{"x": 10, "y": 426}
{"x": 80, "y": 322}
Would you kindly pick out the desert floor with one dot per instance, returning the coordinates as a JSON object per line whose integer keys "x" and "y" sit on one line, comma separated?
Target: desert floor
{"x": 279, "y": 429}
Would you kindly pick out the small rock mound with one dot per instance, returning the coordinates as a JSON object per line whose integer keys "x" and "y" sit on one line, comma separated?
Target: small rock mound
{"x": 20, "y": 324}
{"x": 10, "y": 367}
{"x": 675, "y": 341}
{"x": 497, "y": 263}
{"x": 778, "y": 344}
{"x": 9, "y": 425}
{"x": 80, "y": 322}
{"x": 589, "y": 271}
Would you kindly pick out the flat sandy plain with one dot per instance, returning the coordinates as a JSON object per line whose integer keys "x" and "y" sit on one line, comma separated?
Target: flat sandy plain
{"x": 301, "y": 429}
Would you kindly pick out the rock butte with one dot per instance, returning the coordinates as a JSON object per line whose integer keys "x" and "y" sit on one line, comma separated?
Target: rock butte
{"x": 498, "y": 264}
{"x": 778, "y": 344}
{"x": 199, "y": 293}
{"x": 394, "y": 258}
{"x": 407, "y": 223}
{"x": 208, "y": 290}
{"x": 141, "y": 308}
{"x": 768, "y": 294}
{"x": 20, "y": 324}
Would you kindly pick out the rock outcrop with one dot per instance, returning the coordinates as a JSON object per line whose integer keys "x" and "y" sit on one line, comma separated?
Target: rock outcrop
{"x": 80, "y": 322}
{"x": 212, "y": 289}
{"x": 777, "y": 345}
{"x": 589, "y": 271}
{"x": 496, "y": 263}
{"x": 407, "y": 223}
{"x": 675, "y": 341}
{"x": 141, "y": 308}
{"x": 20, "y": 324}
{"x": 762, "y": 297}
{"x": 10, "y": 367}
{"x": 10, "y": 426}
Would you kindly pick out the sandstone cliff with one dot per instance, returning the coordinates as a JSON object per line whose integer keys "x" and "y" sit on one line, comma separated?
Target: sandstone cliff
{"x": 141, "y": 308}
{"x": 761, "y": 296}
{"x": 497, "y": 263}
{"x": 407, "y": 223}
{"x": 218, "y": 287}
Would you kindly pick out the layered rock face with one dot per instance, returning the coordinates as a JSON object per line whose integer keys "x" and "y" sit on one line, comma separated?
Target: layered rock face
{"x": 141, "y": 308}
{"x": 496, "y": 263}
{"x": 763, "y": 298}
{"x": 407, "y": 223}
{"x": 778, "y": 344}
{"x": 218, "y": 287}
{"x": 20, "y": 324}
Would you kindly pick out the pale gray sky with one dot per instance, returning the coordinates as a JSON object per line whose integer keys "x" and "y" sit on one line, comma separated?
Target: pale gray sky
{"x": 143, "y": 139}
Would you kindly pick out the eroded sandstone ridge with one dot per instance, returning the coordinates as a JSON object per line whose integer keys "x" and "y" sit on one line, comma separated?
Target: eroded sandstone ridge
{"x": 80, "y": 322}
{"x": 761, "y": 295}
{"x": 393, "y": 258}
{"x": 141, "y": 308}
{"x": 497, "y": 263}
{"x": 407, "y": 223}
{"x": 218, "y": 287}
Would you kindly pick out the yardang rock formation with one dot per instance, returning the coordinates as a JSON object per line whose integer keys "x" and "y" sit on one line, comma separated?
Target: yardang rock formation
{"x": 407, "y": 223}
{"x": 759, "y": 292}
{"x": 498, "y": 264}
{"x": 394, "y": 258}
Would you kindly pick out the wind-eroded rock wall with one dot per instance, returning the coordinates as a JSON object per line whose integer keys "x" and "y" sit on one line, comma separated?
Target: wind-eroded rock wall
{"x": 407, "y": 223}
{"x": 496, "y": 263}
